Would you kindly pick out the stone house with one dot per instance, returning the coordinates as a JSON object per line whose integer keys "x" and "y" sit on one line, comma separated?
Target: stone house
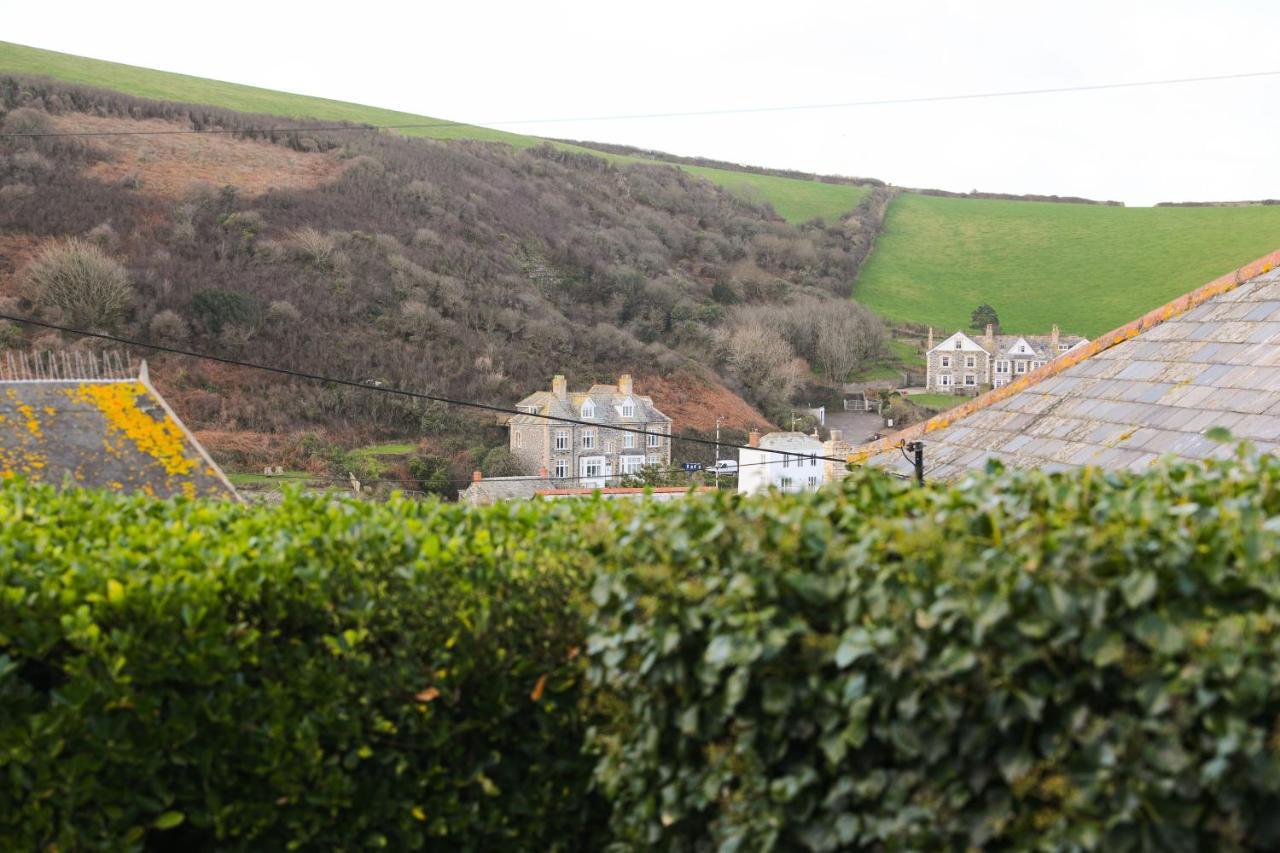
{"x": 967, "y": 365}
{"x": 596, "y": 451}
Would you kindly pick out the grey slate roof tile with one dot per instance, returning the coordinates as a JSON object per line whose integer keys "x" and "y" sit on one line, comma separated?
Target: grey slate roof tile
{"x": 1152, "y": 394}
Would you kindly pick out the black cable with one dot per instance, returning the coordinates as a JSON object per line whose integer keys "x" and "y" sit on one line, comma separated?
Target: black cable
{"x": 970, "y": 96}
{"x": 435, "y": 398}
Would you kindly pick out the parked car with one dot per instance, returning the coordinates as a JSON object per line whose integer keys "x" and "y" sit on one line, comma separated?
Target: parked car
{"x": 724, "y": 466}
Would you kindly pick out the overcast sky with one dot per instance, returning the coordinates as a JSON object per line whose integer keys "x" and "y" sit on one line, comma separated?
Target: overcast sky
{"x": 495, "y": 61}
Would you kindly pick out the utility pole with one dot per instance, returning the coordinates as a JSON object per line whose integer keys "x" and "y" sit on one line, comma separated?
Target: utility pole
{"x": 917, "y": 448}
{"x": 716, "y": 467}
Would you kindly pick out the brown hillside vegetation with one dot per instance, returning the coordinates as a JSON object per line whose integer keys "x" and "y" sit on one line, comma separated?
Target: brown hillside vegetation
{"x": 169, "y": 165}
{"x": 463, "y": 269}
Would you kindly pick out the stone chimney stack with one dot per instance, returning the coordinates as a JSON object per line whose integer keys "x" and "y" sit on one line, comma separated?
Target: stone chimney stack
{"x": 1053, "y": 341}
{"x": 989, "y": 340}
{"x": 624, "y": 384}
{"x": 559, "y": 387}
{"x": 929, "y": 346}
{"x": 753, "y": 438}
{"x": 476, "y": 476}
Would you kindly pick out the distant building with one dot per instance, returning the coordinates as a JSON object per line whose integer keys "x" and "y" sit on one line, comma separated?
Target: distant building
{"x": 1154, "y": 387}
{"x": 965, "y": 365}
{"x": 595, "y": 453}
{"x": 786, "y": 461}
{"x": 488, "y": 490}
{"x": 94, "y": 421}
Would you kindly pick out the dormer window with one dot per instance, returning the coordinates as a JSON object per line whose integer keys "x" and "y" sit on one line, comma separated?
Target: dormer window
{"x": 588, "y": 409}
{"x": 629, "y": 409}
{"x": 959, "y": 345}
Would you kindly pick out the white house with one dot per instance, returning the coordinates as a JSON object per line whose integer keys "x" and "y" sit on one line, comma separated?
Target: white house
{"x": 798, "y": 468}
{"x": 965, "y": 365}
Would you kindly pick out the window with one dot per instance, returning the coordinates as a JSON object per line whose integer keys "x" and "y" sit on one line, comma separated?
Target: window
{"x": 1063, "y": 347}
{"x": 517, "y": 439}
{"x": 1002, "y": 366}
{"x": 1036, "y": 365}
{"x": 813, "y": 462}
{"x": 588, "y": 440}
{"x": 562, "y": 439}
{"x": 945, "y": 380}
{"x": 588, "y": 409}
{"x": 959, "y": 345}
{"x": 970, "y": 380}
{"x": 786, "y": 461}
{"x": 628, "y": 440}
{"x": 562, "y": 469}
{"x": 629, "y": 409}
{"x": 970, "y": 361}
{"x": 784, "y": 482}
{"x": 533, "y": 410}
{"x": 655, "y": 459}
{"x": 591, "y": 467}
{"x": 1019, "y": 367}
{"x": 813, "y": 481}
{"x": 946, "y": 361}
{"x": 630, "y": 464}
{"x": 654, "y": 440}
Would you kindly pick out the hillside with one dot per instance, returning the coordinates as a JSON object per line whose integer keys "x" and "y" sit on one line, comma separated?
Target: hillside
{"x": 796, "y": 200}
{"x": 1088, "y": 268}
{"x": 464, "y": 268}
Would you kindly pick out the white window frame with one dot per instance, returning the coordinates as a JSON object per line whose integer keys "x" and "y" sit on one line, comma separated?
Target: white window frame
{"x": 654, "y": 459}
{"x": 970, "y": 361}
{"x": 959, "y": 344}
{"x": 813, "y": 481}
{"x": 589, "y": 440}
{"x": 945, "y": 380}
{"x": 946, "y": 361}
{"x": 628, "y": 440}
{"x": 1020, "y": 366}
{"x": 562, "y": 439}
{"x": 1002, "y": 366}
{"x": 653, "y": 439}
{"x": 588, "y": 409}
{"x": 593, "y": 468}
{"x": 970, "y": 380}
{"x": 784, "y": 483}
{"x": 628, "y": 409}
{"x": 562, "y": 468}
{"x": 517, "y": 439}
{"x": 631, "y": 463}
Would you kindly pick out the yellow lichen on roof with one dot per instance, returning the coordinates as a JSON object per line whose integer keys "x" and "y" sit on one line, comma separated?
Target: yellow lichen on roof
{"x": 161, "y": 439}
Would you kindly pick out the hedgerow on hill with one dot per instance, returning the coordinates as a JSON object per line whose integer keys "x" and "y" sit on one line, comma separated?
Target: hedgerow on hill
{"x": 1020, "y": 660}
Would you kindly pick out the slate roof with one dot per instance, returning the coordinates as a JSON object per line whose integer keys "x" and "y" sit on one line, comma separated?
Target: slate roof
{"x": 112, "y": 432}
{"x": 608, "y": 401}
{"x": 1153, "y": 387}
{"x": 492, "y": 489}
{"x": 1041, "y": 344}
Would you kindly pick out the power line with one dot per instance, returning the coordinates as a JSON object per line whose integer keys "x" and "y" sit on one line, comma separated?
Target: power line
{"x": 877, "y": 102}
{"x": 435, "y": 398}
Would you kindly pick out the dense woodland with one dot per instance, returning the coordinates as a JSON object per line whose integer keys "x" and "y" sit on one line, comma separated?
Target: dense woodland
{"x": 469, "y": 269}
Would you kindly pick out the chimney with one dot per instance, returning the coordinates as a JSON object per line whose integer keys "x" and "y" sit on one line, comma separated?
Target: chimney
{"x": 1053, "y": 342}
{"x": 990, "y": 342}
{"x": 930, "y": 344}
{"x": 624, "y": 384}
{"x": 836, "y": 435}
{"x": 542, "y": 472}
{"x": 559, "y": 387}
{"x": 753, "y": 438}
{"x": 476, "y": 476}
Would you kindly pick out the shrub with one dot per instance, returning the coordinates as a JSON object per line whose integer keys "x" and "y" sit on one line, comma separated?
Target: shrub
{"x": 322, "y": 674}
{"x": 86, "y": 285}
{"x": 1023, "y": 661}
{"x": 432, "y": 474}
{"x": 26, "y": 120}
{"x": 216, "y": 309}
{"x": 281, "y": 311}
{"x": 168, "y": 326}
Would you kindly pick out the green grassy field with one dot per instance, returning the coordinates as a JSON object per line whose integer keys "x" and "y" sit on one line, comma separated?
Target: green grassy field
{"x": 1087, "y": 268}
{"x": 793, "y": 199}
{"x": 937, "y": 402}
{"x": 395, "y": 448}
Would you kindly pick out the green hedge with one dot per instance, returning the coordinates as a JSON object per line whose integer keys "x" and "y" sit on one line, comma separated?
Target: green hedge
{"x": 321, "y": 675}
{"x": 1023, "y": 661}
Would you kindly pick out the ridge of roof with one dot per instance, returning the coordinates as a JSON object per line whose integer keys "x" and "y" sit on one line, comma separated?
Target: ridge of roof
{"x": 1174, "y": 308}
